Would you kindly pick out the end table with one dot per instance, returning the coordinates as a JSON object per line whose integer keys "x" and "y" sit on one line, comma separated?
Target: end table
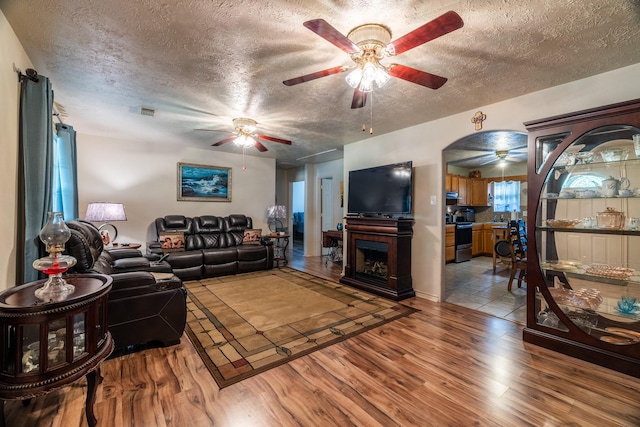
{"x": 48, "y": 345}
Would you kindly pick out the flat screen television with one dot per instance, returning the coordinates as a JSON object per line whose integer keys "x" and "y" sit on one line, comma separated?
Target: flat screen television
{"x": 381, "y": 190}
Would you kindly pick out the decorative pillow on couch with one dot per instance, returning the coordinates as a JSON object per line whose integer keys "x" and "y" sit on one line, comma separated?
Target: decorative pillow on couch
{"x": 171, "y": 241}
{"x": 252, "y": 236}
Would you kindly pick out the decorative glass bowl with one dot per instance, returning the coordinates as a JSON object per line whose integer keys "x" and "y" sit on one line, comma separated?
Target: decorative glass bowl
{"x": 610, "y": 219}
{"x": 615, "y": 154}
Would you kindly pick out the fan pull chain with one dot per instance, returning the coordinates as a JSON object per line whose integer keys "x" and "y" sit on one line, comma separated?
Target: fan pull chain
{"x": 244, "y": 165}
{"x": 371, "y": 128}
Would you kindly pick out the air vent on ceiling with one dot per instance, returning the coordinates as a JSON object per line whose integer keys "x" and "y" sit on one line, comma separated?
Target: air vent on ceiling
{"x": 147, "y": 111}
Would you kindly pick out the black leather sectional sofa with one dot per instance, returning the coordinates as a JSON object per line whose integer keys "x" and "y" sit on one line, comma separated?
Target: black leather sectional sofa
{"x": 213, "y": 246}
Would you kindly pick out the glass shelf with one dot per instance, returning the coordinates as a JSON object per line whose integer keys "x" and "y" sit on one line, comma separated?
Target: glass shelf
{"x": 614, "y": 231}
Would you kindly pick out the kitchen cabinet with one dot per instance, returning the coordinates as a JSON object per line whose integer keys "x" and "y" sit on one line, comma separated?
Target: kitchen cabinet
{"x": 477, "y": 246}
{"x": 478, "y": 194}
{"x": 583, "y": 269}
{"x": 455, "y": 183}
{"x": 463, "y": 196}
{"x": 450, "y": 243}
{"x": 487, "y": 239}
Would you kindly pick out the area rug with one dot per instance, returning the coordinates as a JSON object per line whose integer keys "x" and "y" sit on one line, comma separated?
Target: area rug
{"x": 248, "y": 323}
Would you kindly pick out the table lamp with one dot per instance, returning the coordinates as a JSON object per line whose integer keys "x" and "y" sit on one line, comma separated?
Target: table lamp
{"x": 274, "y": 215}
{"x": 106, "y": 212}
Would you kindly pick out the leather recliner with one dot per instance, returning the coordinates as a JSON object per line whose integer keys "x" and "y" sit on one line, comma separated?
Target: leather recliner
{"x": 142, "y": 309}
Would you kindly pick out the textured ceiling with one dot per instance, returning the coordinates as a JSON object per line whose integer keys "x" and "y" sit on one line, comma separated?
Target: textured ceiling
{"x": 201, "y": 63}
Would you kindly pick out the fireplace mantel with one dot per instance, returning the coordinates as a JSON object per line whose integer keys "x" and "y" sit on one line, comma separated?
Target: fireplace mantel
{"x": 390, "y": 245}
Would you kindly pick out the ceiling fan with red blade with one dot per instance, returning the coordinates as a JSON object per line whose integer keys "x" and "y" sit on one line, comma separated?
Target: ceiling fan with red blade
{"x": 368, "y": 44}
{"x": 245, "y": 136}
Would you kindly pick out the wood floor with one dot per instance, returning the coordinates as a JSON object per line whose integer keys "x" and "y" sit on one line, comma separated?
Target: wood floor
{"x": 443, "y": 366}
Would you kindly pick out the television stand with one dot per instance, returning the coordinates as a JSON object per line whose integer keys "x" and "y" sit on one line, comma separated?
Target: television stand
{"x": 379, "y": 256}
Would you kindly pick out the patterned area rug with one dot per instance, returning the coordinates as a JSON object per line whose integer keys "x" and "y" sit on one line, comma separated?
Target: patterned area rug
{"x": 248, "y": 323}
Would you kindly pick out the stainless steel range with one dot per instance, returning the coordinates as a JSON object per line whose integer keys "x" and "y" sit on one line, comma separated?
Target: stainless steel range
{"x": 463, "y": 237}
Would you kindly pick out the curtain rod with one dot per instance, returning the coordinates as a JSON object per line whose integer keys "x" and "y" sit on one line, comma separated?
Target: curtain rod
{"x": 32, "y": 75}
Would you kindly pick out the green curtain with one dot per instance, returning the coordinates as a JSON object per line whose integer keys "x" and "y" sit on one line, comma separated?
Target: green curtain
{"x": 65, "y": 180}
{"x": 35, "y": 167}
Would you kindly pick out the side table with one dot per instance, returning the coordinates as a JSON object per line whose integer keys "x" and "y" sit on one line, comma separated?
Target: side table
{"x": 280, "y": 248}
{"x": 48, "y": 345}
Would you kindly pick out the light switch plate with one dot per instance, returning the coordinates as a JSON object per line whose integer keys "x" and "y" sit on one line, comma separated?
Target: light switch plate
{"x": 433, "y": 200}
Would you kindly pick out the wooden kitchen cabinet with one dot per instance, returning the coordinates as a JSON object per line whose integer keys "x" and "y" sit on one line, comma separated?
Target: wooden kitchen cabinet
{"x": 463, "y": 195}
{"x": 451, "y": 183}
{"x": 478, "y": 193}
{"x": 450, "y": 243}
{"x": 487, "y": 239}
{"x": 476, "y": 240}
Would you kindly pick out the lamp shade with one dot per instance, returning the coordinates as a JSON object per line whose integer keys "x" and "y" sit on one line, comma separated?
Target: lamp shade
{"x": 105, "y": 212}
{"x": 276, "y": 211}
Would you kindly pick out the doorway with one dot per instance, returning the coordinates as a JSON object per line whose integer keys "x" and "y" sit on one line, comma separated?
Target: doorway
{"x": 326, "y": 207}
{"x": 476, "y": 159}
{"x": 297, "y": 212}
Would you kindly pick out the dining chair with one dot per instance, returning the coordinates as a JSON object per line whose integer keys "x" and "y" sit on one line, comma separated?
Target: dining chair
{"x": 518, "y": 249}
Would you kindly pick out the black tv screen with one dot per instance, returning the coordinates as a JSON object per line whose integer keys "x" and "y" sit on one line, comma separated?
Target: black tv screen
{"x": 381, "y": 190}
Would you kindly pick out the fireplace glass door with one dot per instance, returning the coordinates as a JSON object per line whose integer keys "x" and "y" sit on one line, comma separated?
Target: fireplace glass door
{"x": 371, "y": 261}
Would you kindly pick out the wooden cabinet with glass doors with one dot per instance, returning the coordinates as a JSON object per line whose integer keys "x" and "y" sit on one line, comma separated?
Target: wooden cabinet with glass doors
{"x": 583, "y": 290}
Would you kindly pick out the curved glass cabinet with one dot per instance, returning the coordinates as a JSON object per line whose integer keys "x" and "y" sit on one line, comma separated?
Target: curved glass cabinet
{"x": 584, "y": 235}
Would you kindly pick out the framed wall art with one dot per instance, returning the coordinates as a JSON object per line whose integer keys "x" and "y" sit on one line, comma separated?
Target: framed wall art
{"x": 202, "y": 183}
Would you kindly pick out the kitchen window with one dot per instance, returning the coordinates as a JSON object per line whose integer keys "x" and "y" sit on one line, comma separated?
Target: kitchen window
{"x": 506, "y": 197}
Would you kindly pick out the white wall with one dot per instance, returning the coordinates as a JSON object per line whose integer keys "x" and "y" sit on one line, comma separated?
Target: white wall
{"x": 418, "y": 143}
{"x": 312, "y": 226}
{"x": 12, "y": 58}
{"x": 143, "y": 176}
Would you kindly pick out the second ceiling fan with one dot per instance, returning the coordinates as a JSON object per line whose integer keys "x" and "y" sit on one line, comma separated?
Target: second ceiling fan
{"x": 370, "y": 43}
{"x": 245, "y": 136}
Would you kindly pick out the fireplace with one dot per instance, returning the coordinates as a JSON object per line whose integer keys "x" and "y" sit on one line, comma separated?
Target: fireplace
{"x": 371, "y": 261}
{"x": 379, "y": 256}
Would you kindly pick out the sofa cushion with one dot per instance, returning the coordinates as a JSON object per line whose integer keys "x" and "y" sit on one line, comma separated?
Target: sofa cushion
{"x": 174, "y": 223}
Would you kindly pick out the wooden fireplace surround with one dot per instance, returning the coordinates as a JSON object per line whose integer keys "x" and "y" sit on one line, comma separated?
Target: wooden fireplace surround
{"x": 397, "y": 234}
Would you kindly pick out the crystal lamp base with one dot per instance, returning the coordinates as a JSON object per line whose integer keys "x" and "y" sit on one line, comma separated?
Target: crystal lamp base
{"x": 55, "y": 288}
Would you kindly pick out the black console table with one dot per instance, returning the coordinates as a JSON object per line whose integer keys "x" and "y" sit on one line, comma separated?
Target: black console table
{"x": 47, "y": 345}
{"x": 379, "y": 256}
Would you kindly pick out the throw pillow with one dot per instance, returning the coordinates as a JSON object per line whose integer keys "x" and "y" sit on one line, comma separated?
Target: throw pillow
{"x": 171, "y": 242}
{"x": 252, "y": 236}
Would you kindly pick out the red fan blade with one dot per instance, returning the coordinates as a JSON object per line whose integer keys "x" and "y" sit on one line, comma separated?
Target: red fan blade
{"x": 416, "y": 76}
{"x": 260, "y": 147}
{"x": 359, "y": 99}
{"x": 316, "y": 75}
{"x": 271, "y": 138}
{"x": 440, "y": 26}
{"x": 224, "y": 141}
{"x": 327, "y": 32}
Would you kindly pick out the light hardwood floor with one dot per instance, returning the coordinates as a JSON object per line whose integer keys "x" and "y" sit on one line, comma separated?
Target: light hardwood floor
{"x": 446, "y": 365}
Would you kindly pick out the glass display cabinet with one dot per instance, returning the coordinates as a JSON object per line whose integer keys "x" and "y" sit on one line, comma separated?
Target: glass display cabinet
{"x": 583, "y": 293}
{"x": 46, "y": 345}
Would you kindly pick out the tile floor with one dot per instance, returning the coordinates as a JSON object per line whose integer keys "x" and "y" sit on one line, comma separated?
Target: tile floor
{"x": 472, "y": 284}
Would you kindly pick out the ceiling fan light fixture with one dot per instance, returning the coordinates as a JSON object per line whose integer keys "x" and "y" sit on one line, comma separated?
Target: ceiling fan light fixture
{"x": 382, "y": 76}
{"x": 244, "y": 141}
{"x": 244, "y": 125}
{"x": 502, "y": 154}
{"x": 366, "y": 85}
{"x": 354, "y": 77}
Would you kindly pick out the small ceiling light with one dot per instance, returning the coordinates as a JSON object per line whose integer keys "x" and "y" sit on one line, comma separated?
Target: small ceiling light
{"x": 244, "y": 141}
{"x": 354, "y": 77}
